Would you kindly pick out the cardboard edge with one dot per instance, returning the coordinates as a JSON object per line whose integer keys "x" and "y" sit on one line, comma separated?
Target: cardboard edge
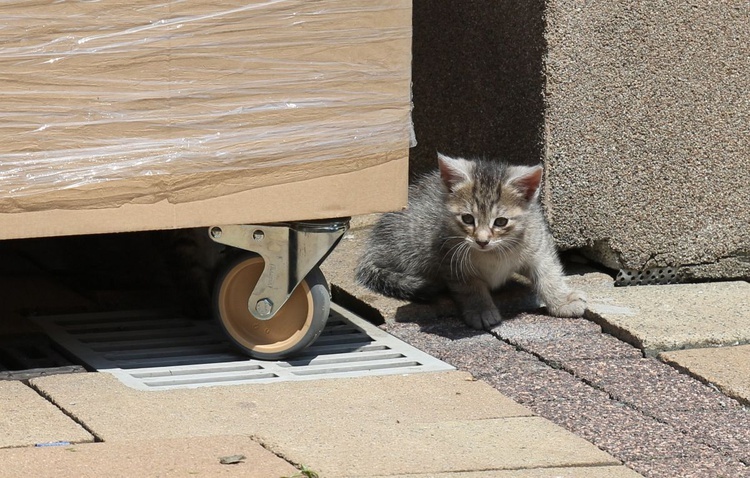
{"x": 379, "y": 188}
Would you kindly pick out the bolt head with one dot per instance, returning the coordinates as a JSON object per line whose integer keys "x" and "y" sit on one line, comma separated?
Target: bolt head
{"x": 264, "y": 307}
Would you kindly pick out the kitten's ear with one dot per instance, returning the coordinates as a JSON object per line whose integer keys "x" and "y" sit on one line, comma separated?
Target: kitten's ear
{"x": 454, "y": 171}
{"x": 526, "y": 180}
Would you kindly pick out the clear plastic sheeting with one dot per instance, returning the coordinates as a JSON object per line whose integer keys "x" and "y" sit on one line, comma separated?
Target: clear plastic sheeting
{"x": 108, "y": 102}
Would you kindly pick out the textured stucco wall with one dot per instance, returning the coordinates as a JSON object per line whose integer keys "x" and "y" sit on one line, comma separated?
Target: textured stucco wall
{"x": 477, "y": 80}
{"x": 647, "y": 122}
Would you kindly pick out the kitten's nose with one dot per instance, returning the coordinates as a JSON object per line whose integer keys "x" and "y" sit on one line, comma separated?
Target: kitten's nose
{"x": 481, "y": 243}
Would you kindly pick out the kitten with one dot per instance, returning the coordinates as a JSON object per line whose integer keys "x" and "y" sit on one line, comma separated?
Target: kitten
{"x": 469, "y": 227}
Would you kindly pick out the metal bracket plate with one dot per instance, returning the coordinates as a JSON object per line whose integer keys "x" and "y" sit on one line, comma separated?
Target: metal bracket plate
{"x": 290, "y": 251}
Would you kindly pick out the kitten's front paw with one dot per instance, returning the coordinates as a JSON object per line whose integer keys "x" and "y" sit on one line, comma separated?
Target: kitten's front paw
{"x": 482, "y": 319}
{"x": 573, "y": 306}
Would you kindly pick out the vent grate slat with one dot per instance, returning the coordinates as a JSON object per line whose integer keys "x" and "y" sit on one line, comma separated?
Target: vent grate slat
{"x": 122, "y": 358}
{"x": 125, "y": 345}
{"x": 348, "y": 367}
{"x": 198, "y": 381}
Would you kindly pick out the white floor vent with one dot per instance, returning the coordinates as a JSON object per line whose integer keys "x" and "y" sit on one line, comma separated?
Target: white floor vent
{"x": 152, "y": 350}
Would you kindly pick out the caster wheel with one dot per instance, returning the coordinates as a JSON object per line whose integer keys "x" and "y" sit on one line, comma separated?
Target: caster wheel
{"x": 295, "y": 326}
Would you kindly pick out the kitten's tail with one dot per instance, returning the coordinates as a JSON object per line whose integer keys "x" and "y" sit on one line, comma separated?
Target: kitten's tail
{"x": 398, "y": 285}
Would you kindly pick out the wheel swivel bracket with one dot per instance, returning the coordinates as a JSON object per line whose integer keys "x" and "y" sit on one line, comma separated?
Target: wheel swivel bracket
{"x": 289, "y": 250}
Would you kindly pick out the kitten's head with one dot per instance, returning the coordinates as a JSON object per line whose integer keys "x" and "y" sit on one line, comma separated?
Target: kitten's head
{"x": 489, "y": 201}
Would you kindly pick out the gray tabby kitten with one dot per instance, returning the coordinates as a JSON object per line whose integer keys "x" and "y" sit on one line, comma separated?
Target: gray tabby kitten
{"x": 469, "y": 227}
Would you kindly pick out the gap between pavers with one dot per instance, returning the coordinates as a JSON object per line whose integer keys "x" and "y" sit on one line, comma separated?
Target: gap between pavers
{"x": 436, "y": 422}
{"x": 195, "y": 456}
{"x": 728, "y": 368}
{"x": 27, "y": 419}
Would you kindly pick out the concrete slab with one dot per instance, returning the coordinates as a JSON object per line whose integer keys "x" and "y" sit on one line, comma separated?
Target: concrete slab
{"x": 575, "y": 472}
{"x": 28, "y": 419}
{"x": 164, "y": 458}
{"x": 673, "y": 317}
{"x": 346, "y": 427}
{"x": 438, "y": 447}
{"x": 726, "y": 367}
{"x": 98, "y": 399}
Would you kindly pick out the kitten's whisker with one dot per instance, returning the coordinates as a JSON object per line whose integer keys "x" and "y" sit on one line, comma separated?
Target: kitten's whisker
{"x": 466, "y": 263}
{"x": 454, "y": 258}
{"x": 462, "y": 253}
{"x": 507, "y": 246}
{"x": 450, "y": 252}
{"x": 457, "y": 256}
{"x": 504, "y": 251}
{"x": 472, "y": 264}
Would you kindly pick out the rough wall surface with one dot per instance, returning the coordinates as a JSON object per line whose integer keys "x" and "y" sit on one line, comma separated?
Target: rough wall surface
{"x": 647, "y": 122}
{"x": 477, "y": 80}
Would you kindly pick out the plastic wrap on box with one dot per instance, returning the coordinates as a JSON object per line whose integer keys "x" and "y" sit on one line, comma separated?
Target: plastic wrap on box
{"x": 109, "y": 102}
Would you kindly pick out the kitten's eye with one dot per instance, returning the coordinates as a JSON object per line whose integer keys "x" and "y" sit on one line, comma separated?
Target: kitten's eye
{"x": 468, "y": 219}
{"x": 501, "y": 222}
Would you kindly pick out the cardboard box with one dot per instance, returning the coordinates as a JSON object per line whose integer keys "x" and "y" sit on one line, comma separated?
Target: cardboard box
{"x": 120, "y": 116}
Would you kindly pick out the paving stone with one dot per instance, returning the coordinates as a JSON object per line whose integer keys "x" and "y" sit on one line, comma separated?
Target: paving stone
{"x": 727, "y": 431}
{"x": 728, "y": 368}
{"x": 673, "y": 317}
{"x": 28, "y": 419}
{"x": 98, "y": 399}
{"x": 532, "y": 387}
{"x": 512, "y": 443}
{"x": 460, "y": 346}
{"x": 711, "y": 466}
{"x": 558, "y": 340}
{"x": 585, "y": 347}
{"x": 650, "y": 386}
{"x": 574, "y": 472}
{"x": 534, "y": 327}
{"x": 197, "y": 456}
{"x": 625, "y": 433}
